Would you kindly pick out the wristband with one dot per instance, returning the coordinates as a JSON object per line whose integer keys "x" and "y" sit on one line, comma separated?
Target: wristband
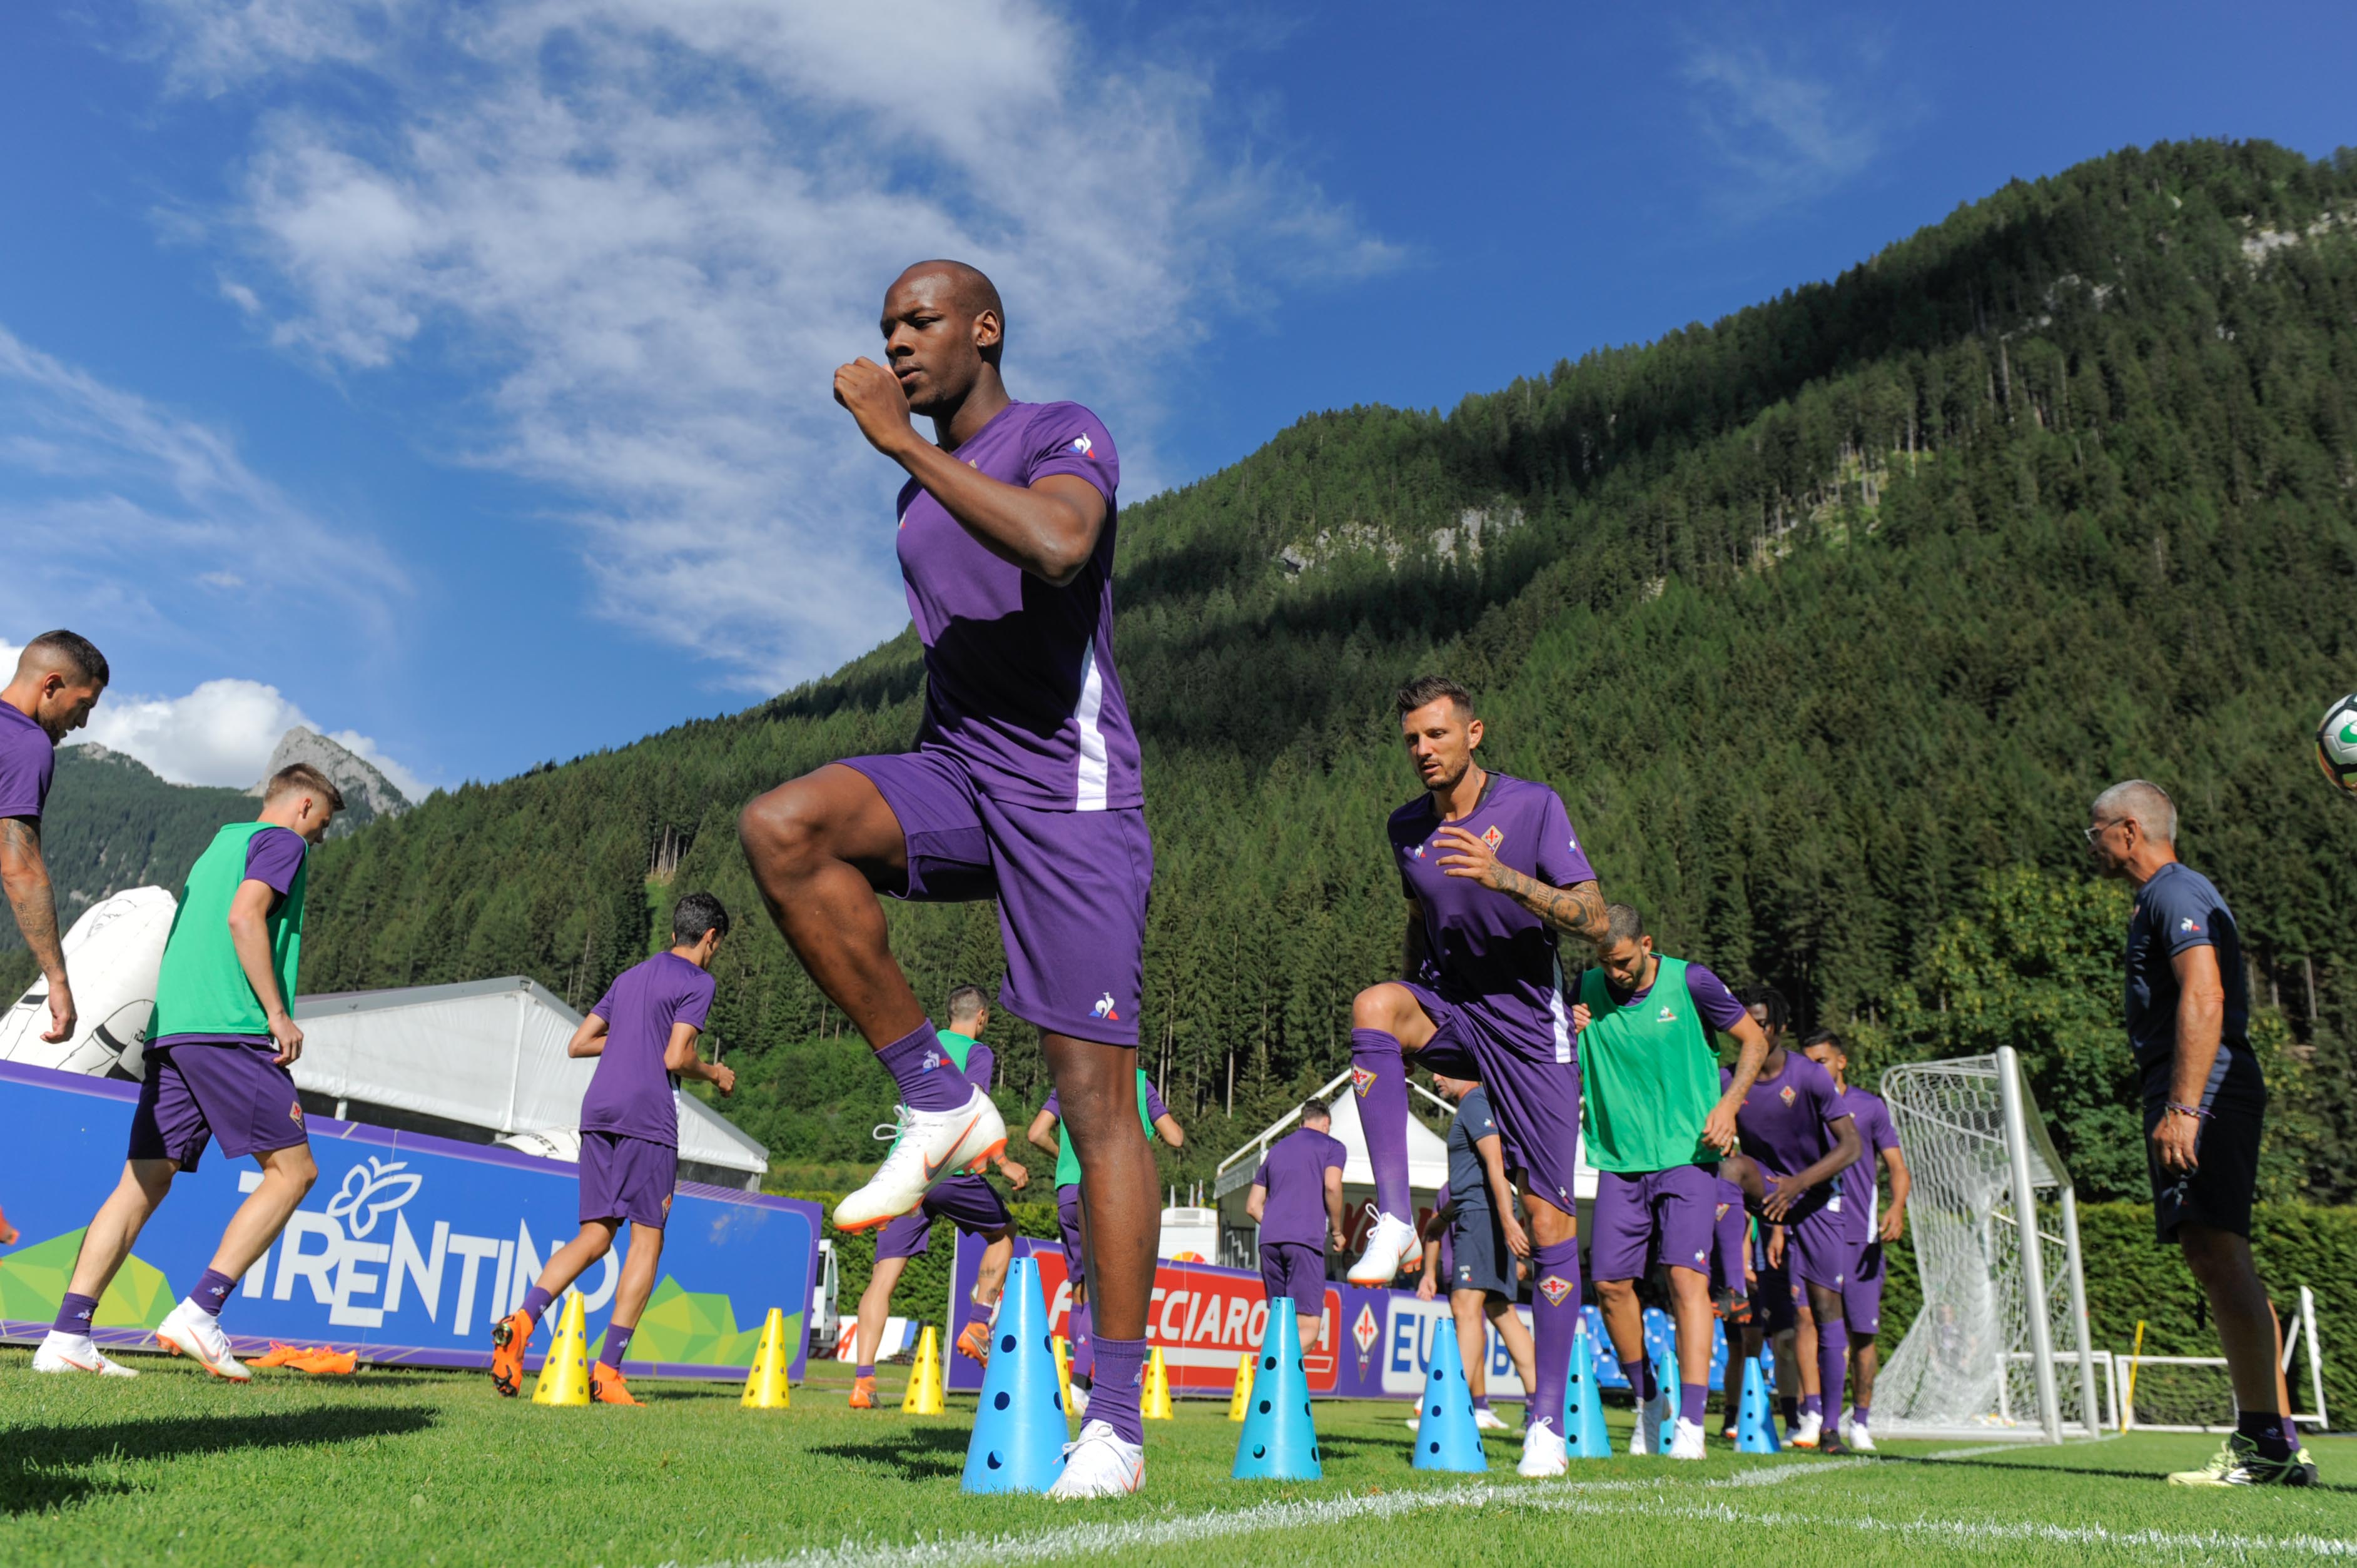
{"x": 2193, "y": 1111}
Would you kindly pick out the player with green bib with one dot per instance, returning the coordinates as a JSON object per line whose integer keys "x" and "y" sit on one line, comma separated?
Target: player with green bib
{"x": 1657, "y": 1126}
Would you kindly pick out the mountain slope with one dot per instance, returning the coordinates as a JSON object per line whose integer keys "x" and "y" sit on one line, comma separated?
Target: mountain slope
{"x": 1815, "y": 616}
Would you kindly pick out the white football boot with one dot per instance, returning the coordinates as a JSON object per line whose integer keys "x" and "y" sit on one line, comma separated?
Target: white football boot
{"x": 1652, "y": 1423}
{"x": 928, "y": 1147}
{"x": 1079, "y": 1398}
{"x": 1098, "y": 1463}
{"x": 1392, "y": 1244}
{"x": 1487, "y": 1420}
{"x": 1810, "y": 1431}
{"x": 1686, "y": 1441}
{"x": 76, "y": 1353}
{"x": 1853, "y": 1433}
{"x": 1544, "y": 1453}
{"x": 189, "y": 1330}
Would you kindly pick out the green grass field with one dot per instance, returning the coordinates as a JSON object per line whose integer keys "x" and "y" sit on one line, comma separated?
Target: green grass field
{"x": 403, "y": 1468}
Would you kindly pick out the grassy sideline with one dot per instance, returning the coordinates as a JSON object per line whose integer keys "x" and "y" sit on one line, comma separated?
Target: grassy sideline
{"x": 400, "y": 1468}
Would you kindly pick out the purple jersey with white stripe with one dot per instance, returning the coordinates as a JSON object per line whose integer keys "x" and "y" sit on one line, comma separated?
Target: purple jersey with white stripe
{"x": 26, "y": 761}
{"x": 1860, "y": 1190}
{"x": 1019, "y": 679}
{"x": 1786, "y": 1121}
{"x": 1483, "y": 950}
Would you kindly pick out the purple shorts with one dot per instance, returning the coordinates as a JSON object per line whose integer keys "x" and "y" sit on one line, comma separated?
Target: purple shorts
{"x": 1862, "y": 1297}
{"x": 1658, "y": 1216}
{"x": 234, "y": 1093}
{"x": 1821, "y": 1250}
{"x": 1071, "y": 889}
{"x": 1535, "y": 1097}
{"x": 630, "y": 1179}
{"x": 968, "y": 1202}
{"x": 1297, "y": 1270}
{"x": 1068, "y": 1220}
{"x": 1772, "y": 1306}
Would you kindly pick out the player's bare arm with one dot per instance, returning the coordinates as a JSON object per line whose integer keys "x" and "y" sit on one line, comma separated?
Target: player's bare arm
{"x": 1042, "y": 1134}
{"x": 680, "y": 1057}
{"x": 26, "y": 876}
{"x": 1255, "y": 1201}
{"x": 1336, "y": 1234}
{"x": 249, "y": 933}
{"x": 1576, "y": 910}
{"x": 1016, "y": 1176}
{"x": 1751, "y": 1054}
{"x": 2200, "y": 1024}
{"x": 588, "y": 1038}
{"x": 1785, "y": 1191}
{"x": 1902, "y": 1182}
{"x": 1166, "y": 1127}
{"x": 1492, "y": 1152}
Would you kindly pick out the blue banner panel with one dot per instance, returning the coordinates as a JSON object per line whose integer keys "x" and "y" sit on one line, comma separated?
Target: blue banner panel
{"x": 406, "y": 1251}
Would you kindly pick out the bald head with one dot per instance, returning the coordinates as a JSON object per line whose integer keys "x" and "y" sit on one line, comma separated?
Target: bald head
{"x": 969, "y": 288}
{"x": 943, "y": 330}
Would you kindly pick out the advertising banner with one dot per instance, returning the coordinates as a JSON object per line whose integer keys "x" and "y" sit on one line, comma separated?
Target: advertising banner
{"x": 1377, "y": 1344}
{"x": 407, "y": 1251}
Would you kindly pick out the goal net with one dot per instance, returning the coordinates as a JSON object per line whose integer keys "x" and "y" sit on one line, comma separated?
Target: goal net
{"x": 1999, "y": 1346}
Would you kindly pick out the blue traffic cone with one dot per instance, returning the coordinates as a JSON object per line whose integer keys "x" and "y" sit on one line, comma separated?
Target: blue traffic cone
{"x": 1583, "y": 1405}
{"x": 1278, "y": 1442}
{"x": 1755, "y": 1426}
{"x": 1667, "y": 1378}
{"x": 1019, "y": 1424}
{"x": 1446, "y": 1437}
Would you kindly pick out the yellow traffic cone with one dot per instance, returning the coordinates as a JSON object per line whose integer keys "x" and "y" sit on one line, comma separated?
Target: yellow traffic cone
{"x": 925, "y": 1388}
{"x": 564, "y": 1376}
{"x": 1241, "y": 1401}
{"x": 1154, "y": 1404}
{"x": 765, "y": 1385}
{"x": 1064, "y": 1370}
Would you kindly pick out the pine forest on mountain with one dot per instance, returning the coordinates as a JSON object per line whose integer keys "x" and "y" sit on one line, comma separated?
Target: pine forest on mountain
{"x": 1827, "y": 620}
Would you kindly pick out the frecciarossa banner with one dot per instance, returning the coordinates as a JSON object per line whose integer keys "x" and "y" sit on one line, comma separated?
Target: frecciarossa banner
{"x": 407, "y": 1251}
{"x": 1377, "y": 1344}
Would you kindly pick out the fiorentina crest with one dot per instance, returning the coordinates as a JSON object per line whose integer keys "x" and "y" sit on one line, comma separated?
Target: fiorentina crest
{"x": 1554, "y": 1287}
{"x": 1362, "y": 1078}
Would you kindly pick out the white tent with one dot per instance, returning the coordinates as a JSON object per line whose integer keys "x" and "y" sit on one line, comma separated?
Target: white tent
{"x": 486, "y": 1055}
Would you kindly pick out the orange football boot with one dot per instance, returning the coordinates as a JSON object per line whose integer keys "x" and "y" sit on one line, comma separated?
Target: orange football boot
{"x": 863, "y": 1393}
{"x": 280, "y": 1354}
{"x": 974, "y": 1343}
{"x": 606, "y": 1387}
{"x": 511, "y": 1337}
{"x": 7, "y": 1232}
{"x": 325, "y": 1362}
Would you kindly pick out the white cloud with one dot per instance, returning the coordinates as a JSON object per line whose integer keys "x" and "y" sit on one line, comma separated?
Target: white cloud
{"x": 647, "y": 230}
{"x": 1790, "y": 123}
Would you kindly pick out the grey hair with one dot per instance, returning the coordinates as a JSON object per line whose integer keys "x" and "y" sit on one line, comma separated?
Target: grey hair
{"x": 2146, "y": 804}
{"x": 1622, "y": 923}
{"x": 967, "y": 1001}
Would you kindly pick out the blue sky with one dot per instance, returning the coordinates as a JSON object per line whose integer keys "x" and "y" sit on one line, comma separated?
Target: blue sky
{"x": 455, "y": 378}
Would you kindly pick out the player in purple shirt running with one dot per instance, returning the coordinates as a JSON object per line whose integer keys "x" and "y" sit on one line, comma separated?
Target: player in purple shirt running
{"x": 643, "y": 1032}
{"x": 1296, "y": 1201}
{"x": 1871, "y": 1227}
{"x": 58, "y": 679}
{"x": 1494, "y": 876}
{"x": 1022, "y": 787}
{"x": 1798, "y": 1140}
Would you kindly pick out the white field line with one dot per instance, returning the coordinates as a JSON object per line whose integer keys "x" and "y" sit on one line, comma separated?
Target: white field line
{"x": 1194, "y": 1530}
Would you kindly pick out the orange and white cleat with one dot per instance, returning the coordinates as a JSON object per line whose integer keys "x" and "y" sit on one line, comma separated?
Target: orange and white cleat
{"x": 606, "y": 1387}
{"x": 324, "y": 1363}
{"x": 280, "y": 1354}
{"x": 927, "y": 1148}
{"x": 511, "y": 1337}
{"x": 974, "y": 1343}
{"x": 189, "y": 1330}
{"x": 863, "y": 1393}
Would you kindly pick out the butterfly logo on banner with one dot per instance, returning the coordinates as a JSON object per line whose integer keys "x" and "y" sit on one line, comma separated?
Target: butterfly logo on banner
{"x": 372, "y": 1190}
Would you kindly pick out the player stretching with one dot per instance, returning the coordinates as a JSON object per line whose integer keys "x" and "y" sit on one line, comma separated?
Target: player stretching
{"x": 968, "y": 1202}
{"x": 1296, "y": 1201}
{"x": 642, "y": 1032}
{"x": 218, "y": 1044}
{"x": 1494, "y": 875}
{"x": 1659, "y": 1124}
{"x": 1484, "y": 1240}
{"x": 1871, "y": 1227}
{"x": 1800, "y": 1138}
{"x": 58, "y": 679}
{"x": 1024, "y": 787}
{"x": 1047, "y": 1133}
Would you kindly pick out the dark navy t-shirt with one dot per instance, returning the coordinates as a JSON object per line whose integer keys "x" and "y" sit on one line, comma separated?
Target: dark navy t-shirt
{"x": 2179, "y": 908}
{"x": 1467, "y": 1179}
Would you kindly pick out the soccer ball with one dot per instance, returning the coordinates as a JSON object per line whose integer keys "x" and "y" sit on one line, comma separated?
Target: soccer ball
{"x": 2335, "y": 745}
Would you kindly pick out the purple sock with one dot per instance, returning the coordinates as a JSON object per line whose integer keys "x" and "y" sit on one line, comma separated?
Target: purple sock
{"x": 866, "y": 1371}
{"x": 1814, "y": 1404}
{"x": 1640, "y": 1376}
{"x": 75, "y": 1312}
{"x": 2266, "y": 1429}
{"x": 1480, "y": 1402}
{"x": 536, "y": 1301}
{"x": 618, "y": 1344}
{"x": 1692, "y": 1400}
{"x": 929, "y": 1081}
{"x": 1858, "y": 1413}
{"x": 1119, "y": 1379}
{"x": 1554, "y": 1322}
{"x": 1084, "y": 1357}
{"x": 212, "y": 1290}
{"x": 2292, "y": 1428}
{"x": 1381, "y": 1078}
{"x": 1833, "y": 1363}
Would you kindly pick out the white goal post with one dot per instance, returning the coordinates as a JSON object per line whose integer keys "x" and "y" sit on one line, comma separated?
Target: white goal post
{"x": 2000, "y": 1347}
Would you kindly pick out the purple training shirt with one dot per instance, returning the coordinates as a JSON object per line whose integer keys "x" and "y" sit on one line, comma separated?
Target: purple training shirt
{"x": 1786, "y": 1121}
{"x": 1019, "y": 679}
{"x": 1294, "y": 1172}
{"x": 632, "y": 1092}
{"x": 272, "y": 856}
{"x": 1482, "y": 948}
{"x": 26, "y": 761}
{"x": 1860, "y": 1184}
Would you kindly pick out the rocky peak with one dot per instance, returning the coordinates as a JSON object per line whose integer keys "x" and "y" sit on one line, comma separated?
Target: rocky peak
{"x": 367, "y": 794}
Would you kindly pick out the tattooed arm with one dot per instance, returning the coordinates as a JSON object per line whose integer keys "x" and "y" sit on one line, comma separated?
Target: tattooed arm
{"x": 1578, "y": 910}
{"x": 26, "y": 876}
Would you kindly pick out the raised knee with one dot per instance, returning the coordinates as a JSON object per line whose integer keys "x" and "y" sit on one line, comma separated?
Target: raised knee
{"x": 1374, "y": 1008}
{"x": 781, "y": 830}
